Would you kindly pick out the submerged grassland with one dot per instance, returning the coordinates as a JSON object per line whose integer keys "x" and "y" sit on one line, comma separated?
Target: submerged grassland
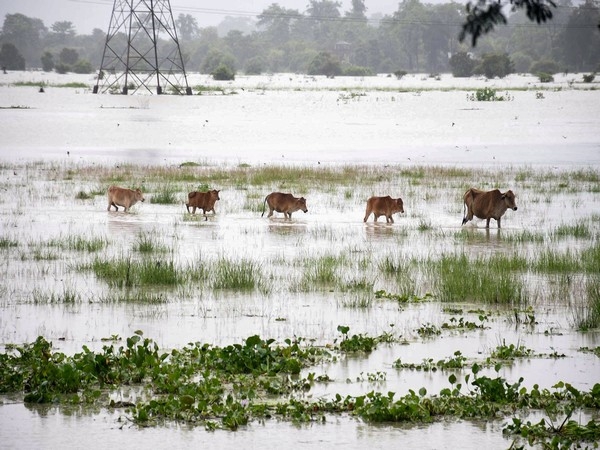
{"x": 60, "y": 247}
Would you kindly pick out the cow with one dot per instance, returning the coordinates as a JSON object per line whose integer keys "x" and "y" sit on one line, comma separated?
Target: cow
{"x": 383, "y": 206}
{"x": 487, "y": 205}
{"x": 126, "y": 198}
{"x": 203, "y": 200}
{"x": 284, "y": 203}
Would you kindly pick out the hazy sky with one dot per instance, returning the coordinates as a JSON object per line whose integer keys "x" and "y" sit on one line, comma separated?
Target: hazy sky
{"x": 89, "y": 14}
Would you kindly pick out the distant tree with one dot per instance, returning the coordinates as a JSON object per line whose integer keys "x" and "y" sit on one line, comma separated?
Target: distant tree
{"x": 11, "y": 58}
{"x": 223, "y": 73}
{"x": 62, "y": 68}
{"x": 409, "y": 30}
{"x": 82, "y": 66}
{"x": 495, "y": 65}
{"x": 277, "y": 22}
{"x": 522, "y": 61}
{"x": 545, "y": 66}
{"x": 462, "y": 64}
{"x": 187, "y": 27}
{"x": 358, "y": 11}
{"x": 68, "y": 56}
{"x": 582, "y": 38}
{"x": 244, "y": 25}
{"x": 322, "y": 15}
{"x": 25, "y": 34}
{"x": 325, "y": 64}
{"x": 255, "y": 66}
{"x": 215, "y": 59}
{"x": 240, "y": 46}
{"x": 440, "y": 35}
{"x": 63, "y": 30}
{"x": 47, "y": 61}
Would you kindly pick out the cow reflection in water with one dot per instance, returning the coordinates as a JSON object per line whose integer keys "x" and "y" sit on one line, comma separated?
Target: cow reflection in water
{"x": 487, "y": 205}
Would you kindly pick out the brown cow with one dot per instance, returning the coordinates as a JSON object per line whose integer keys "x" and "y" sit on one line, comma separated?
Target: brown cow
{"x": 384, "y": 206}
{"x": 487, "y": 205}
{"x": 203, "y": 200}
{"x": 123, "y": 197}
{"x": 284, "y": 203}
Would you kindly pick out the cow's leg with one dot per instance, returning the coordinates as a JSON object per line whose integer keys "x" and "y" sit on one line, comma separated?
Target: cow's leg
{"x": 389, "y": 219}
{"x": 187, "y": 206}
{"x": 367, "y": 214}
{"x": 270, "y": 212}
{"x": 499, "y": 219}
{"x": 487, "y": 223}
{"x": 289, "y": 215}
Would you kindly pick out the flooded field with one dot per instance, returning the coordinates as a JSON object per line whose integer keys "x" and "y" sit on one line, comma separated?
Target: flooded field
{"x": 414, "y": 307}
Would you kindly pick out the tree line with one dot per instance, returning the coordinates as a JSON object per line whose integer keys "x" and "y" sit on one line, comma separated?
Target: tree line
{"x": 323, "y": 39}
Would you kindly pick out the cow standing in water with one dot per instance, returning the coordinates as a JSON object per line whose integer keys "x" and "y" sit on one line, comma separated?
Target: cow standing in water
{"x": 384, "y": 206}
{"x": 487, "y": 205}
{"x": 284, "y": 203}
{"x": 203, "y": 200}
{"x": 126, "y": 198}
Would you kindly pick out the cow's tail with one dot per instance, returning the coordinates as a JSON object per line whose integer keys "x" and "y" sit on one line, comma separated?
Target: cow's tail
{"x": 465, "y": 219}
{"x": 264, "y": 205}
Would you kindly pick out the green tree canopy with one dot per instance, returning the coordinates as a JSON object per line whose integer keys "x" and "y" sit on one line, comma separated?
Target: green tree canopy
{"x": 10, "y": 58}
{"x": 26, "y": 34}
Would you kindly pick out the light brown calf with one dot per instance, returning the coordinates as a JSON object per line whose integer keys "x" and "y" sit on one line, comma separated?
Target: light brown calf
{"x": 384, "y": 206}
{"x": 126, "y": 198}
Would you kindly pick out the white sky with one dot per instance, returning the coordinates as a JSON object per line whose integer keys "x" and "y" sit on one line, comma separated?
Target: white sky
{"x": 89, "y": 14}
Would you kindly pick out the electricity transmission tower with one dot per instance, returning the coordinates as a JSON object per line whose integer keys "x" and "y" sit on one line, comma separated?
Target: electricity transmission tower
{"x": 135, "y": 58}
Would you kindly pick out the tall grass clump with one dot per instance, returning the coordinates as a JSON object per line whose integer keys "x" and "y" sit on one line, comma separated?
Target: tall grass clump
{"x": 7, "y": 243}
{"x": 321, "y": 271}
{"x": 587, "y": 316}
{"x": 165, "y": 195}
{"x": 145, "y": 243}
{"x": 399, "y": 270}
{"x": 590, "y": 259}
{"x": 524, "y": 236}
{"x": 552, "y": 261}
{"x": 234, "y": 274}
{"x": 157, "y": 272}
{"x": 125, "y": 272}
{"x": 82, "y": 244}
{"x": 579, "y": 230}
{"x": 459, "y": 279}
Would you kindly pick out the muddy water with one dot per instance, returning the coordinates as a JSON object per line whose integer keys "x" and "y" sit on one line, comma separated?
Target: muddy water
{"x": 37, "y": 208}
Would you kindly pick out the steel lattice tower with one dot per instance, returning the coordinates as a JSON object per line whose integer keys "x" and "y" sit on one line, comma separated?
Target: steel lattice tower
{"x": 135, "y": 58}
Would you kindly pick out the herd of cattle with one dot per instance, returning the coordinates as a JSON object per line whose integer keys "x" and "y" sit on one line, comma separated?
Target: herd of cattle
{"x": 482, "y": 204}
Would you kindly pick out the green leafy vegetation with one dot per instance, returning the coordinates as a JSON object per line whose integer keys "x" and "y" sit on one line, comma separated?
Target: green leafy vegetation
{"x": 488, "y": 95}
{"x": 227, "y": 387}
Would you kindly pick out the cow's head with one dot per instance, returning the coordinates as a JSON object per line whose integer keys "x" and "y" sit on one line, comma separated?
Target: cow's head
{"x": 400, "y": 204}
{"x": 138, "y": 195}
{"x": 214, "y": 194}
{"x": 301, "y": 203}
{"x": 509, "y": 199}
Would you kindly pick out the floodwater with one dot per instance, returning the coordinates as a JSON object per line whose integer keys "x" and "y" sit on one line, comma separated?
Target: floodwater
{"x": 284, "y": 119}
